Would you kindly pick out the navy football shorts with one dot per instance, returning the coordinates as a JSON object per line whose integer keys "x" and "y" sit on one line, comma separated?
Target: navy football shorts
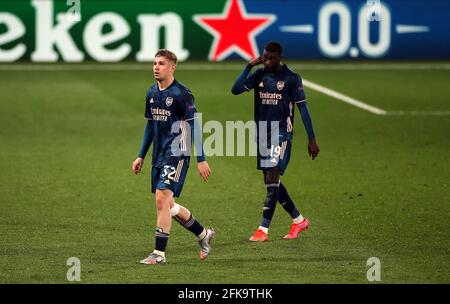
{"x": 170, "y": 176}
{"x": 278, "y": 156}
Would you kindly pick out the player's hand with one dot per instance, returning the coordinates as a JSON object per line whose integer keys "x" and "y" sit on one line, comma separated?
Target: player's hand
{"x": 255, "y": 61}
{"x": 313, "y": 148}
{"x": 137, "y": 165}
{"x": 204, "y": 170}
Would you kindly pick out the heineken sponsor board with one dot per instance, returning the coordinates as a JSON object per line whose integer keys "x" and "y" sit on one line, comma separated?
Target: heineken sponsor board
{"x": 216, "y": 30}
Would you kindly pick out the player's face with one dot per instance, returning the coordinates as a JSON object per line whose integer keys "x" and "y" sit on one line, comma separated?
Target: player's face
{"x": 163, "y": 68}
{"x": 271, "y": 60}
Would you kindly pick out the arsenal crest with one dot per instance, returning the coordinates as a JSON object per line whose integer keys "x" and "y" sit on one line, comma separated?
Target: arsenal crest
{"x": 169, "y": 101}
{"x": 280, "y": 85}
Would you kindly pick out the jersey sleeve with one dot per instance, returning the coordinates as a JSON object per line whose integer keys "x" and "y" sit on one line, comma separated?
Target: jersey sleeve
{"x": 296, "y": 92}
{"x": 148, "y": 114}
{"x": 253, "y": 80}
{"x": 189, "y": 114}
{"x": 188, "y": 108}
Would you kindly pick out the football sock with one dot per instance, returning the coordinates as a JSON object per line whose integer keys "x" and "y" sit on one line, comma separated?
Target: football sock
{"x": 287, "y": 203}
{"x": 202, "y": 235}
{"x": 161, "y": 240}
{"x": 193, "y": 226}
{"x": 269, "y": 204}
{"x": 298, "y": 219}
{"x": 264, "y": 229}
{"x": 161, "y": 253}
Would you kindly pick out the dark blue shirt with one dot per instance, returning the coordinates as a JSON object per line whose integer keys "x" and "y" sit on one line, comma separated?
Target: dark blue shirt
{"x": 274, "y": 98}
{"x": 170, "y": 111}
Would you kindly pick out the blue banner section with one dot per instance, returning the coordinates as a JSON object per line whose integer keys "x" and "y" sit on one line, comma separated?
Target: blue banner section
{"x": 358, "y": 29}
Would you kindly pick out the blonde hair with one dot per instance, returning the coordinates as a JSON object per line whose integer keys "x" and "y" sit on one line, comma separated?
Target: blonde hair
{"x": 167, "y": 54}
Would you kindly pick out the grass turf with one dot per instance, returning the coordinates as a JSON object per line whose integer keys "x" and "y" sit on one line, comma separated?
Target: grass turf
{"x": 380, "y": 186}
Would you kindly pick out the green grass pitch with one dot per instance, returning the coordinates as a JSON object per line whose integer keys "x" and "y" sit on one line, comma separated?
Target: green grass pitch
{"x": 379, "y": 188}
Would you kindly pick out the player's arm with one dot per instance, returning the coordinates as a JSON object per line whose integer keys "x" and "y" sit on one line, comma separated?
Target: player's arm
{"x": 191, "y": 116}
{"x": 242, "y": 83}
{"x": 196, "y": 138}
{"x": 146, "y": 143}
{"x": 298, "y": 96}
{"x": 313, "y": 148}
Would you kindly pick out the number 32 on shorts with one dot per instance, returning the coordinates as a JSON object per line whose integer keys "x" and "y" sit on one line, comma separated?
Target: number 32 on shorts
{"x": 168, "y": 174}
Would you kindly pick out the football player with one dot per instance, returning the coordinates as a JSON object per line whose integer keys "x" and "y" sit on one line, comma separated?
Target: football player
{"x": 171, "y": 122}
{"x": 276, "y": 90}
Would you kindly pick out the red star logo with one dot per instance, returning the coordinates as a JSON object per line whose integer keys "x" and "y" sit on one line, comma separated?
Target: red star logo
{"x": 234, "y": 30}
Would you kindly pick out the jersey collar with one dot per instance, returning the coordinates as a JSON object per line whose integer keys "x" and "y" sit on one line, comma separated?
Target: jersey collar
{"x": 283, "y": 67}
{"x": 159, "y": 90}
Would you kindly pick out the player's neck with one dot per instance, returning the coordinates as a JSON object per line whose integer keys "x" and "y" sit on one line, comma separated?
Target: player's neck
{"x": 277, "y": 69}
{"x": 165, "y": 83}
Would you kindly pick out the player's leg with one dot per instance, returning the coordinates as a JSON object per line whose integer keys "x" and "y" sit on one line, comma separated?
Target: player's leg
{"x": 164, "y": 197}
{"x": 283, "y": 197}
{"x": 272, "y": 180}
{"x": 178, "y": 212}
{"x": 288, "y": 204}
{"x": 186, "y": 219}
{"x": 299, "y": 223}
{"x": 164, "y": 220}
{"x": 183, "y": 216}
{"x": 175, "y": 182}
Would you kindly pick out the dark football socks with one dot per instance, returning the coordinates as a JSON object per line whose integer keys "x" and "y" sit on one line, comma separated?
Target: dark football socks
{"x": 191, "y": 224}
{"x": 269, "y": 204}
{"x": 287, "y": 203}
{"x": 161, "y": 240}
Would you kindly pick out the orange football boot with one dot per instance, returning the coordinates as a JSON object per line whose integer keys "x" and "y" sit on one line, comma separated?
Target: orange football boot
{"x": 259, "y": 236}
{"x": 296, "y": 229}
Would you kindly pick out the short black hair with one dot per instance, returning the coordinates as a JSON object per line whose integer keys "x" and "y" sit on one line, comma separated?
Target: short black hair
{"x": 274, "y": 47}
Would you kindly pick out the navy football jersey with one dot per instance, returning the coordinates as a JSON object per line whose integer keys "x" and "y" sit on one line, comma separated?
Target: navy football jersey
{"x": 275, "y": 95}
{"x": 164, "y": 108}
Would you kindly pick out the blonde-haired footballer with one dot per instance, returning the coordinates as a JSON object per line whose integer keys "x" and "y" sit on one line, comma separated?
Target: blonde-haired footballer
{"x": 171, "y": 115}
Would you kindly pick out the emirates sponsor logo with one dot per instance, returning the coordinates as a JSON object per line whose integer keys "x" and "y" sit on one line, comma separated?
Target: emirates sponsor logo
{"x": 160, "y": 114}
{"x": 268, "y": 95}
